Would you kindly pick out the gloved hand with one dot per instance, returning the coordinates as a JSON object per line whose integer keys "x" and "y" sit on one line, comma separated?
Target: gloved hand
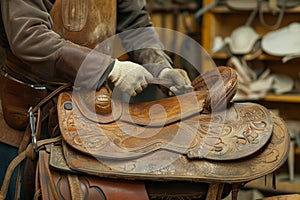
{"x": 181, "y": 83}
{"x": 129, "y": 77}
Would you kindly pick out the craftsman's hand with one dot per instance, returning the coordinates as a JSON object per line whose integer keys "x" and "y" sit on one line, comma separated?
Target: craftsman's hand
{"x": 180, "y": 80}
{"x": 129, "y": 77}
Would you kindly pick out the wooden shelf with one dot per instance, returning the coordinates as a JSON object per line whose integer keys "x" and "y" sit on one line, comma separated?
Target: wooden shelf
{"x": 223, "y": 55}
{"x": 224, "y": 9}
{"x": 220, "y": 56}
{"x": 283, "y": 185}
{"x": 286, "y": 98}
{"x": 217, "y": 24}
{"x": 221, "y": 21}
{"x": 170, "y": 7}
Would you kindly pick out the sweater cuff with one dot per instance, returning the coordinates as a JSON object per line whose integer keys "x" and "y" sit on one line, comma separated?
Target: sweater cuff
{"x": 154, "y": 60}
{"x": 105, "y": 75}
{"x": 156, "y": 68}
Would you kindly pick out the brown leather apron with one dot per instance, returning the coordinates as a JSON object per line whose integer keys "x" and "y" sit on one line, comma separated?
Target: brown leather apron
{"x": 84, "y": 22}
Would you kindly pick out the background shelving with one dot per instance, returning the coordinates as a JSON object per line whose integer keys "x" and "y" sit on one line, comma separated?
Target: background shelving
{"x": 221, "y": 21}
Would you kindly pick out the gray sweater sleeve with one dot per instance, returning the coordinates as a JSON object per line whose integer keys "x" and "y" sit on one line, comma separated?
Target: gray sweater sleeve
{"x": 28, "y": 28}
{"x": 139, "y": 36}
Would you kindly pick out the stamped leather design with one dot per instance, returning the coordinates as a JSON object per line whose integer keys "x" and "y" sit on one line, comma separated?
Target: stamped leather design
{"x": 241, "y": 131}
{"x": 178, "y": 125}
{"x": 159, "y": 166}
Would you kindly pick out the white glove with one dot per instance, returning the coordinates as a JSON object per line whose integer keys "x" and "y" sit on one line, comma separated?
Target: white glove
{"x": 129, "y": 77}
{"x": 181, "y": 82}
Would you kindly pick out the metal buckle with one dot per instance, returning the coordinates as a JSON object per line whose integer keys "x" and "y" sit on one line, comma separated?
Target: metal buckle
{"x": 33, "y": 130}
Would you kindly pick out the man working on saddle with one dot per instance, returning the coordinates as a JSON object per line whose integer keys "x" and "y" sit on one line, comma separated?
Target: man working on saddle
{"x": 28, "y": 37}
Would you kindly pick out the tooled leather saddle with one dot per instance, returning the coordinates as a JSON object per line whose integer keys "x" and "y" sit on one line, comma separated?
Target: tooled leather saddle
{"x": 197, "y": 137}
{"x": 191, "y": 146}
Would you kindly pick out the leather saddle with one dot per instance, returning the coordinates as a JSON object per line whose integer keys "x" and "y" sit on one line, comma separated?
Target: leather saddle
{"x": 200, "y": 137}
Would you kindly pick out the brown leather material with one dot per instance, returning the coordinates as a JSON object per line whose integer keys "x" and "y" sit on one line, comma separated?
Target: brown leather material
{"x": 9, "y": 135}
{"x": 29, "y": 179}
{"x": 103, "y": 101}
{"x": 98, "y": 105}
{"x": 174, "y": 124}
{"x": 57, "y": 160}
{"x": 56, "y": 185}
{"x": 164, "y": 165}
{"x": 139, "y": 113}
{"x": 122, "y": 140}
{"x": 155, "y": 189}
{"x": 16, "y": 99}
{"x": 206, "y": 86}
{"x": 221, "y": 83}
{"x": 84, "y": 22}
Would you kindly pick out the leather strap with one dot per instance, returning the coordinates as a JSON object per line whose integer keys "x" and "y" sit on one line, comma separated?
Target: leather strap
{"x": 17, "y": 160}
{"x": 215, "y": 191}
{"x": 47, "y": 177}
{"x": 14, "y": 163}
{"x": 51, "y": 95}
{"x": 76, "y": 192}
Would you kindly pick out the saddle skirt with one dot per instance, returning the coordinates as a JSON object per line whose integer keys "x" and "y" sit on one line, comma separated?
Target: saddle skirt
{"x": 164, "y": 165}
